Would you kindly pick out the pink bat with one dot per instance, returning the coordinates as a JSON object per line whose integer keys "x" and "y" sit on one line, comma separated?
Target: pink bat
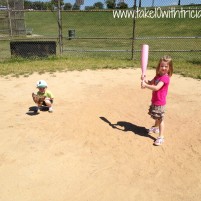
{"x": 144, "y": 59}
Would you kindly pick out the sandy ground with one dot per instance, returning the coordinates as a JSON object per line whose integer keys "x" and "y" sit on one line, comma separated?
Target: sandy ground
{"x": 78, "y": 153}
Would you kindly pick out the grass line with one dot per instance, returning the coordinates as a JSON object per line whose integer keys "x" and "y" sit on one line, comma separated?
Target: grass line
{"x": 23, "y": 67}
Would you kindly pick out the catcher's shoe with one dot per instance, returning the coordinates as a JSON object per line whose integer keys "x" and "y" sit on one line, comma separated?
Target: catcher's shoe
{"x": 50, "y": 109}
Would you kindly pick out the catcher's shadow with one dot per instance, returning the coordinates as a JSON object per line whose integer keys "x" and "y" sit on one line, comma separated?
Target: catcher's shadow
{"x": 32, "y": 110}
{"x": 126, "y": 126}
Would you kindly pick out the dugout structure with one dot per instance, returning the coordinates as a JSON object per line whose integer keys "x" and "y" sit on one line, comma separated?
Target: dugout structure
{"x": 12, "y": 21}
{"x": 32, "y": 48}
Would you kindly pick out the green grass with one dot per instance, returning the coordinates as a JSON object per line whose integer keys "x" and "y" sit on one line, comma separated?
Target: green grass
{"x": 22, "y": 67}
{"x": 102, "y": 24}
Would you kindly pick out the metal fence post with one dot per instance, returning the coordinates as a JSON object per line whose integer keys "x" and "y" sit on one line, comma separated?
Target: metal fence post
{"x": 133, "y": 35}
{"x": 9, "y": 18}
{"x": 60, "y": 27}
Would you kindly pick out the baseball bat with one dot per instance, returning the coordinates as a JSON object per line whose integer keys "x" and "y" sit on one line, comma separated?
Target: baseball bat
{"x": 144, "y": 59}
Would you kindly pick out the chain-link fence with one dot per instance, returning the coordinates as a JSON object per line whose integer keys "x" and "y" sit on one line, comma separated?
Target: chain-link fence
{"x": 102, "y": 29}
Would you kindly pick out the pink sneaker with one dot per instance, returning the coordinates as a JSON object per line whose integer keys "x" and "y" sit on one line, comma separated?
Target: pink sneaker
{"x": 154, "y": 130}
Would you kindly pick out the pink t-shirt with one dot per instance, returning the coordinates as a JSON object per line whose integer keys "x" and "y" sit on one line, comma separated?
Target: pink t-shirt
{"x": 159, "y": 97}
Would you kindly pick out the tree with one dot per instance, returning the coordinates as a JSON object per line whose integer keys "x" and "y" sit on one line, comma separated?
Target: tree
{"x": 3, "y": 3}
{"x": 89, "y": 8}
{"x": 111, "y": 4}
{"x": 48, "y": 5}
{"x": 98, "y": 5}
{"x": 76, "y": 7}
{"x": 27, "y": 4}
{"x": 37, "y": 5}
{"x": 55, "y": 2}
{"x": 68, "y": 6}
{"x": 122, "y": 5}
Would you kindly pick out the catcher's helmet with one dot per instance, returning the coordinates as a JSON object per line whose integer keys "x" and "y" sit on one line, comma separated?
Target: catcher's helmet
{"x": 41, "y": 84}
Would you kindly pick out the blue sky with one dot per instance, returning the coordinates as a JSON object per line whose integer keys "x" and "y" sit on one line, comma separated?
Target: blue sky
{"x": 130, "y": 2}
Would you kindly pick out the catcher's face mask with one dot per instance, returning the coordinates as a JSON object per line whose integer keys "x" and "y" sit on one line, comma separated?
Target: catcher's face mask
{"x": 42, "y": 89}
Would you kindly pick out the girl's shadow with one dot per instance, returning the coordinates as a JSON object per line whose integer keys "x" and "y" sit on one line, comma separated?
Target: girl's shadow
{"x": 126, "y": 126}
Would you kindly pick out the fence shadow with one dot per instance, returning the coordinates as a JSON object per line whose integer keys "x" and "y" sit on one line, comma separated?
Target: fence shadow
{"x": 127, "y": 126}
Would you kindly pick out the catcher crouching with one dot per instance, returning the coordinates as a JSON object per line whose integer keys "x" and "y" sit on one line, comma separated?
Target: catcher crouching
{"x": 43, "y": 97}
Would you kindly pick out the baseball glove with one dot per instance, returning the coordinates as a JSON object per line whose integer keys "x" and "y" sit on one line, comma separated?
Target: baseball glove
{"x": 37, "y": 99}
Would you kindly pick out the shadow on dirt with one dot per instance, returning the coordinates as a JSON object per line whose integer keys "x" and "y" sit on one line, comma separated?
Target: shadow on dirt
{"x": 127, "y": 126}
{"x": 33, "y": 110}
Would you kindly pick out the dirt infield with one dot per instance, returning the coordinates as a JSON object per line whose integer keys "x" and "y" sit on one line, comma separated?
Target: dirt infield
{"x": 94, "y": 147}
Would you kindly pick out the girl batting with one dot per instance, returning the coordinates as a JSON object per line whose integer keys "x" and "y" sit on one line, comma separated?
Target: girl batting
{"x": 159, "y": 86}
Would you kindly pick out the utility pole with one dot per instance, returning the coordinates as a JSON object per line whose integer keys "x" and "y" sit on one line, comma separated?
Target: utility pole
{"x": 140, "y": 4}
